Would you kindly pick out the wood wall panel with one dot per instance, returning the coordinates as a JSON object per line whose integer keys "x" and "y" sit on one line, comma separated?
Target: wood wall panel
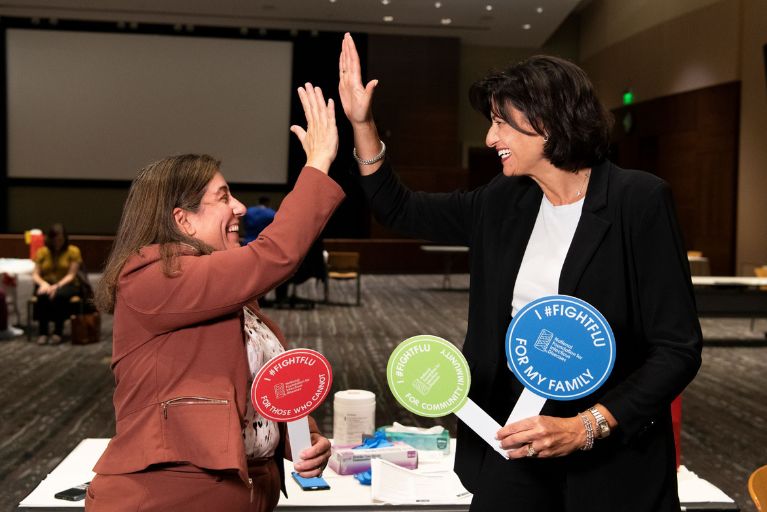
{"x": 416, "y": 101}
{"x": 691, "y": 141}
{"x": 416, "y": 111}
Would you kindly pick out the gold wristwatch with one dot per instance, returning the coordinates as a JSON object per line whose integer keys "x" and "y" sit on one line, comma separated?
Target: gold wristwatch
{"x": 603, "y": 428}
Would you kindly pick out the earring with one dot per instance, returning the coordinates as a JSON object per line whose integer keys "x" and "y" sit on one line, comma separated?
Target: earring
{"x": 545, "y": 138}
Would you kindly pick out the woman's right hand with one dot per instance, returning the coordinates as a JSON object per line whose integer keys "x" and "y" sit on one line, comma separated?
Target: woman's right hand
{"x": 44, "y": 288}
{"x": 320, "y": 139}
{"x": 356, "y": 99}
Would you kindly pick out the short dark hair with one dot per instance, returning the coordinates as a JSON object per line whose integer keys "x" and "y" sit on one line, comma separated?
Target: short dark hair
{"x": 560, "y": 103}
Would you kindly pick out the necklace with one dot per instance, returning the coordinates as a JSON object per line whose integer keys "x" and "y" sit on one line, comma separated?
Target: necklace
{"x": 583, "y": 185}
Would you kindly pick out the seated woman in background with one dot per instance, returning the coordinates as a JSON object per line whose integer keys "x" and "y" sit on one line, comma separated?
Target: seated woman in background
{"x": 189, "y": 335}
{"x": 55, "y": 276}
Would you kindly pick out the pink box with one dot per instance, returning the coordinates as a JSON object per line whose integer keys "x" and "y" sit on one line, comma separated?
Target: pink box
{"x": 345, "y": 461}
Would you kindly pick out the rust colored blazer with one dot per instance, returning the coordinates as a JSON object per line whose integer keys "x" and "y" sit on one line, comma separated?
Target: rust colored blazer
{"x": 179, "y": 356}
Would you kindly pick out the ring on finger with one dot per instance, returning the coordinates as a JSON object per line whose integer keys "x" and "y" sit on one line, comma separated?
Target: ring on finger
{"x": 531, "y": 451}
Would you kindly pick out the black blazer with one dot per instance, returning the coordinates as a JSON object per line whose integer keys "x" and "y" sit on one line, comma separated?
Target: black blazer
{"x": 627, "y": 259}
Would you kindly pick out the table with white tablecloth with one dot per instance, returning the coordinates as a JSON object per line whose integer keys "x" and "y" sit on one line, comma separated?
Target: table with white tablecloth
{"x": 345, "y": 494}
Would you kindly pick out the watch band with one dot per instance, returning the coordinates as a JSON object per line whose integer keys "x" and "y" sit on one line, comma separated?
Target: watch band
{"x": 603, "y": 428}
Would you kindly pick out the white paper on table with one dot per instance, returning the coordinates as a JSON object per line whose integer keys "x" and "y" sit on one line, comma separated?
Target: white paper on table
{"x": 693, "y": 489}
{"x": 396, "y": 485}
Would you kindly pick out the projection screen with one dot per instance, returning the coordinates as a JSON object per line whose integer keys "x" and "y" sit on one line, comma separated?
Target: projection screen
{"x": 87, "y": 105}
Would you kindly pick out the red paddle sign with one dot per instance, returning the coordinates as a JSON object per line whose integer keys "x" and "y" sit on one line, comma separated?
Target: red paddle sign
{"x": 291, "y": 385}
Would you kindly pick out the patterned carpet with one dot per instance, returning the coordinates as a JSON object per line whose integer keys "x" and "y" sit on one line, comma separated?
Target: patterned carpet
{"x": 53, "y": 396}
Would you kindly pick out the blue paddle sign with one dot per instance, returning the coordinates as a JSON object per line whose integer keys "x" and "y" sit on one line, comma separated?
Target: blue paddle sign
{"x": 560, "y": 347}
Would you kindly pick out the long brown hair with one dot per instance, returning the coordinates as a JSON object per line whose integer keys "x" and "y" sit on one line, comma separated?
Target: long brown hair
{"x": 50, "y": 236}
{"x": 147, "y": 218}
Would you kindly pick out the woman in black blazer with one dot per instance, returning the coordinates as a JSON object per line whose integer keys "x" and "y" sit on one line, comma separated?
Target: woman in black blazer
{"x": 560, "y": 219}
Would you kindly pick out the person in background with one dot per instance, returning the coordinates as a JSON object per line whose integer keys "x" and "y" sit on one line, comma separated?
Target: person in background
{"x": 189, "y": 335}
{"x": 559, "y": 219}
{"x": 257, "y": 218}
{"x": 3, "y": 315}
{"x": 56, "y": 282}
{"x": 7, "y": 332}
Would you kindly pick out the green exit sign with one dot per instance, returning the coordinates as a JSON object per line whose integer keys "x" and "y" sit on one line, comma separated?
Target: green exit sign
{"x": 628, "y": 98}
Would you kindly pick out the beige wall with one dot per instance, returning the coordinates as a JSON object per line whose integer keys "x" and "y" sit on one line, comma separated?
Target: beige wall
{"x": 477, "y": 61}
{"x": 699, "y": 49}
{"x": 607, "y": 22}
{"x": 657, "y": 50}
{"x": 752, "y": 177}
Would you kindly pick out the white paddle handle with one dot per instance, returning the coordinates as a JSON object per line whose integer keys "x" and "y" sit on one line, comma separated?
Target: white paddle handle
{"x": 300, "y": 440}
{"x": 482, "y": 423}
{"x": 528, "y": 405}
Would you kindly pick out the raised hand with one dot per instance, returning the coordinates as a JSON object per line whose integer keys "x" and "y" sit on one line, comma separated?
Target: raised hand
{"x": 356, "y": 99}
{"x": 320, "y": 139}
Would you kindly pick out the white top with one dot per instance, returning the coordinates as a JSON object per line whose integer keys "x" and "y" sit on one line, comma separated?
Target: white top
{"x": 261, "y": 436}
{"x": 545, "y": 253}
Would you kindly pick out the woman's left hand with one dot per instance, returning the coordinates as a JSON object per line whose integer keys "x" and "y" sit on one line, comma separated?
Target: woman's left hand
{"x": 314, "y": 459}
{"x": 549, "y": 436}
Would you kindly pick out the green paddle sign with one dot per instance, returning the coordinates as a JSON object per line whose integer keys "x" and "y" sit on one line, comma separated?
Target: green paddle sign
{"x": 429, "y": 376}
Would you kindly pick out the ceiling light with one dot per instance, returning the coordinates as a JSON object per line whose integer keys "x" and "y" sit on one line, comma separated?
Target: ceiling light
{"x": 332, "y": 1}
{"x": 527, "y": 26}
{"x": 446, "y": 21}
{"x": 437, "y": 4}
{"x": 539, "y": 10}
{"x": 385, "y": 2}
{"x": 488, "y": 7}
{"x": 388, "y": 19}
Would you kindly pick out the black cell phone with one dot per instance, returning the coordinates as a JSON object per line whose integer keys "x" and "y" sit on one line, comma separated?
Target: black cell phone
{"x": 76, "y": 493}
{"x": 316, "y": 483}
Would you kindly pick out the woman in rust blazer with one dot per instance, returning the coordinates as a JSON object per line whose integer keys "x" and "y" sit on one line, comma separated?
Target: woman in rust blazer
{"x": 183, "y": 293}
